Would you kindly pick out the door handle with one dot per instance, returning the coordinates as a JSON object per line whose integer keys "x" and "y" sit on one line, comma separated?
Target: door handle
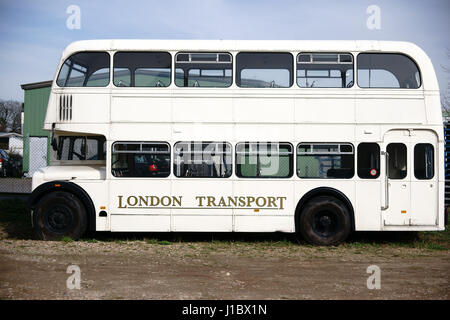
{"x": 386, "y": 187}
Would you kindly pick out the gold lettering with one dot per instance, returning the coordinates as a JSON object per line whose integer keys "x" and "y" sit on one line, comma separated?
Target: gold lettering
{"x": 250, "y": 200}
{"x": 166, "y": 203}
{"x": 222, "y": 202}
{"x": 232, "y": 201}
{"x": 143, "y": 200}
{"x": 154, "y": 201}
{"x": 200, "y": 199}
{"x": 281, "y": 201}
{"x": 241, "y": 201}
{"x": 120, "y": 202}
{"x": 211, "y": 200}
{"x": 271, "y": 202}
{"x": 263, "y": 202}
{"x": 132, "y": 204}
{"x": 176, "y": 200}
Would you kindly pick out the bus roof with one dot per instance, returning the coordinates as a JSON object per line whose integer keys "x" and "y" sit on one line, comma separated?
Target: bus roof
{"x": 241, "y": 45}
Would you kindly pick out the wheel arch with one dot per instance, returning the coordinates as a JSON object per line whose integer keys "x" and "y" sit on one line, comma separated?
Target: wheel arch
{"x": 70, "y": 187}
{"x": 324, "y": 191}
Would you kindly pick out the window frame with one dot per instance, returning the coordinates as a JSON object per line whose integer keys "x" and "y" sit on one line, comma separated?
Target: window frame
{"x": 169, "y": 152}
{"x": 190, "y": 53}
{"x": 133, "y": 74}
{"x": 291, "y": 159}
{"x": 433, "y": 162}
{"x": 339, "y": 54}
{"x": 175, "y": 155}
{"x": 379, "y": 161}
{"x": 85, "y": 80}
{"x": 389, "y": 88}
{"x": 339, "y": 144}
{"x": 101, "y": 140}
{"x": 390, "y": 159}
{"x": 292, "y": 71}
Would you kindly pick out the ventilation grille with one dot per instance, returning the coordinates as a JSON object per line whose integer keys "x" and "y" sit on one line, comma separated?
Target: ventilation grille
{"x": 65, "y": 107}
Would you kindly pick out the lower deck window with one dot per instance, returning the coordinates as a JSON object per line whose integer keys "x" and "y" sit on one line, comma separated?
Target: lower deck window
{"x": 424, "y": 161}
{"x": 202, "y": 159}
{"x": 324, "y": 161}
{"x": 368, "y": 160}
{"x": 397, "y": 160}
{"x": 141, "y": 159}
{"x": 264, "y": 160}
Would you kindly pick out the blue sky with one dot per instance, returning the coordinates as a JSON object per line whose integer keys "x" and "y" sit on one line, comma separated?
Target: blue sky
{"x": 34, "y": 33}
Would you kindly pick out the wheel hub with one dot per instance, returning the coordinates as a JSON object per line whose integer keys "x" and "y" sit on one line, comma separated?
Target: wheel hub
{"x": 325, "y": 221}
{"x": 59, "y": 218}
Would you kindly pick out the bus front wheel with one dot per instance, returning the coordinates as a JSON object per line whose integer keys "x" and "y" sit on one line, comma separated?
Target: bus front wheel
{"x": 60, "y": 214}
{"x": 325, "y": 221}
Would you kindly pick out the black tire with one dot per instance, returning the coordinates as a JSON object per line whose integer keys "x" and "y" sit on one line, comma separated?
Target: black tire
{"x": 59, "y": 214}
{"x": 324, "y": 221}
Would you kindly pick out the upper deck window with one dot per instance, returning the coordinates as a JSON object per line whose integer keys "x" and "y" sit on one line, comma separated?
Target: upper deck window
{"x": 264, "y": 70}
{"x": 325, "y": 70}
{"x": 203, "y": 69}
{"x": 85, "y": 69}
{"x": 387, "y": 70}
{"x": 142, "y": 69}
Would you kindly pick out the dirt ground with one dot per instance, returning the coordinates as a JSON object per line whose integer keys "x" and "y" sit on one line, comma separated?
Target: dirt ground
{"x": 217, "y": 265}
{"x": 224, "y": 269}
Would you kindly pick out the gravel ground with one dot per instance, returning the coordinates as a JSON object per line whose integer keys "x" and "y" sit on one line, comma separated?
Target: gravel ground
{"x": 218, "y": 266}
{"x": 225, "y": 269}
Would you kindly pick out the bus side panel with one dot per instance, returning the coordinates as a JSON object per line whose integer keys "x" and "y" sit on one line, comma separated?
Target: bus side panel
{"x": 201, "y": 209}
{"x": 368, "y": 205}
{"x": 140, "y": 109}
{"x": 273, "y": 207}
{"x": 339, "y": 110}
{"x": 137, "y": 204}
{"x": 98, "y": 192}
{"x": 398, "y": 109}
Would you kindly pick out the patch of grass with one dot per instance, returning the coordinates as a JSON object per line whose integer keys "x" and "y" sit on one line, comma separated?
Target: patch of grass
{"x": 164, "y": 242}
{"x": 151, "y": 241}
{"x": 67, "y": 239}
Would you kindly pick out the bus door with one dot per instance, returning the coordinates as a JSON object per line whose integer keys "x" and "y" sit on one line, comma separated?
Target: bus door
{"x": 396, "y": 182}
{"x": 410, "y": 185}
{"x": 424, "y": 179}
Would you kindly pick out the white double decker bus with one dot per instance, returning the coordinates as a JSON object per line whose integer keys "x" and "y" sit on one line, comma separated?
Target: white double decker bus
{"x": 320, "y": 138}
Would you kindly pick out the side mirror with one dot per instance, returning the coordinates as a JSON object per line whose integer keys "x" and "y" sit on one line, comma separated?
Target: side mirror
{"x": 53, "y": 141}
{"x": 54, "y": 144}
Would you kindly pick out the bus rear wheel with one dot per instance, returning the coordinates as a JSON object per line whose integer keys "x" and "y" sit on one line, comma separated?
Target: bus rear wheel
{"x": 60, "y": 214}
{"x": 325, "y": 221}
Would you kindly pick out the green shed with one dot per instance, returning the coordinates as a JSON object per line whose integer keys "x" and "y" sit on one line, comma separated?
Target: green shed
{"x": 36, "y": 141}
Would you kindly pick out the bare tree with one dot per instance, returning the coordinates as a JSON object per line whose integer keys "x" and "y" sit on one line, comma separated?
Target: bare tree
{"x": 445, "y": 96}
{"x": 10, "y": 116}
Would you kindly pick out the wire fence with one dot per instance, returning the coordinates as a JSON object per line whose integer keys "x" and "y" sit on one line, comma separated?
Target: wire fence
{"x": 15, "y": 185}
{"x": 19, "y": 161}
